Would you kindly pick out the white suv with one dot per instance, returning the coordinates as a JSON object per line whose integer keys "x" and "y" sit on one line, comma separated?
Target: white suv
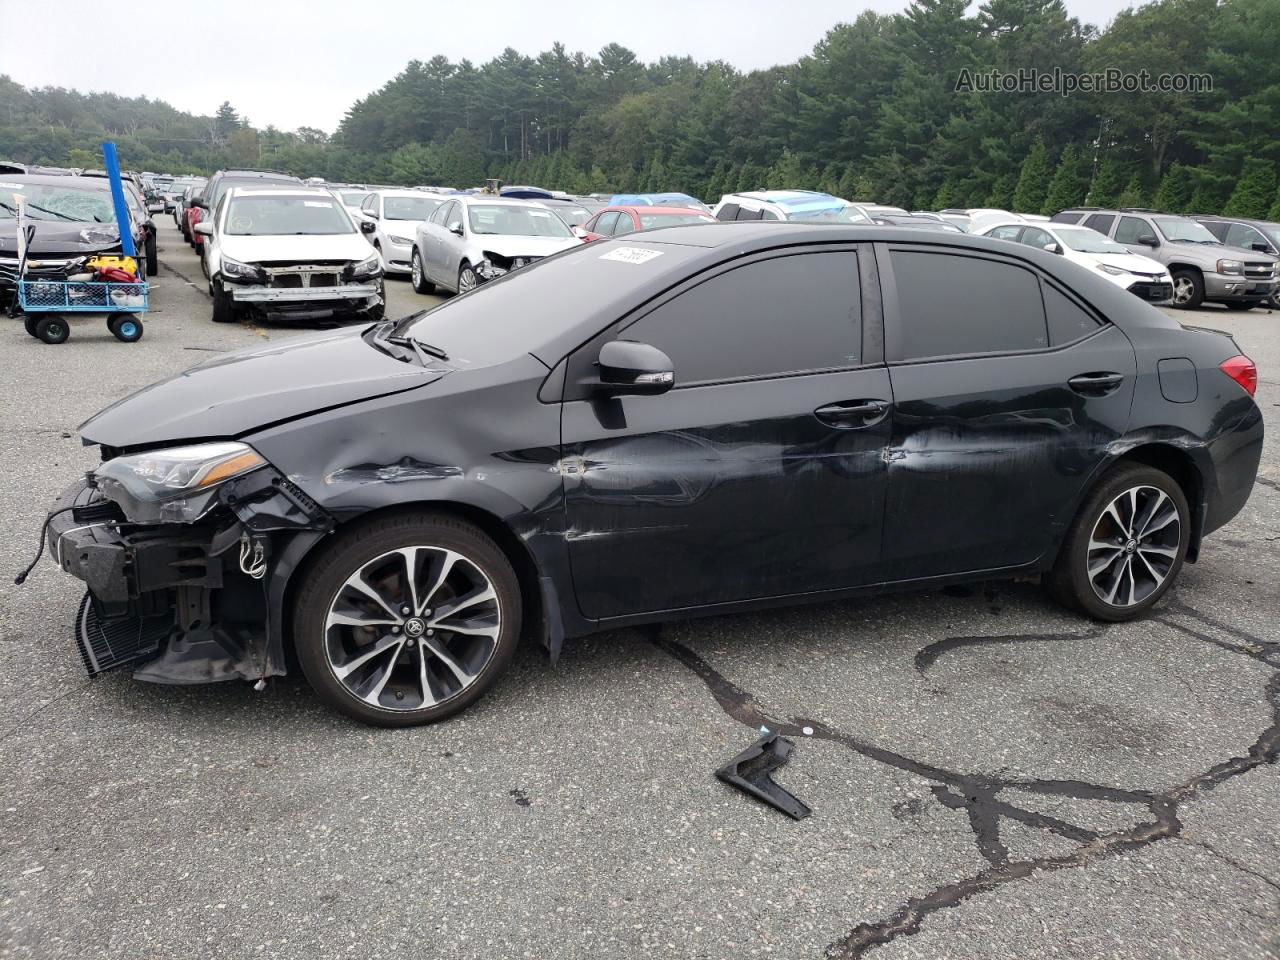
{"x": 789, "y": 205}
{"x": 288, "y": 252}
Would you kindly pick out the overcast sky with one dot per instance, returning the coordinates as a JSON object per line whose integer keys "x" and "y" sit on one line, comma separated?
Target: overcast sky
{"x": 297, "y": 64}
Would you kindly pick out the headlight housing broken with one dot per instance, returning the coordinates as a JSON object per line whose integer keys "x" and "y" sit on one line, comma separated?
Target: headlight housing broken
{"x": 174, "y": 484}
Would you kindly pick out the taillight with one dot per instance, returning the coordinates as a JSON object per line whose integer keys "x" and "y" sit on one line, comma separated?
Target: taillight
{"x": 1242, "y": 371}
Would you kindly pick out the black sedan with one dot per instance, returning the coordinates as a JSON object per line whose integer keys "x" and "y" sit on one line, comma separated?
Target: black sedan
{"x": 700, "y": 420}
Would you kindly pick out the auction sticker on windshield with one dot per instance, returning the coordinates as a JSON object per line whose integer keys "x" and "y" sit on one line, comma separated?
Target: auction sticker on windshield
{"x": 631, "y": 255}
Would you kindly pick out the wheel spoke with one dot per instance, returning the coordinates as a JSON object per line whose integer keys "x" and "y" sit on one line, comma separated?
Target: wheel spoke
{"x": 358, "y": 582}
{"x": 381, "y": 645}
{"x": 1119, "y": 579}
{"x": 337, "y": 619}
{"x": 1114, "y": 514}
{"x": 373, "y": 695}
{"x": 1156, "y": 507}
{"x": 441, "y": 653}
{"x": 1133, "y": 510}
{"x": 446, "y": 567}
{"x": 428, "y": 698}
{"x": 1170, "y": 552}
{"x": 1155, "y": 574}
{"x": 410, "y": 557}
{"x": 470, "y": 600}
{"x": 1154, "y": 527}
{"x": 1097, "y": 566}
{"x": 1128, "y": 571}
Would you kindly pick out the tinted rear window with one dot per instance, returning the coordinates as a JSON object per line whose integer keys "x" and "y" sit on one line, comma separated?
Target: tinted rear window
{"x": 952, "y": 305}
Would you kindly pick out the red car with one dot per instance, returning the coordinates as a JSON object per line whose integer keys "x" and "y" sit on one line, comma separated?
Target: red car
{"x": 616, "y": 221}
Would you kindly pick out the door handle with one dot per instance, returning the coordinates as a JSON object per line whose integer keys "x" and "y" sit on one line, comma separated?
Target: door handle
{"x": 852, "y": 414}
{"x": 1095, "y": 384}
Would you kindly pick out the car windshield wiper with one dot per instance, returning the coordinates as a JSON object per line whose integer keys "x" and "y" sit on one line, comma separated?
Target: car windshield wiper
{"x": 56, "y": 213}
{"x": 387, "y": 333}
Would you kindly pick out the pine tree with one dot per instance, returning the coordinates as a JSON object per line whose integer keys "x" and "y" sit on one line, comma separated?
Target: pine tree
{"x": 1133, "y": 195}
{"x": 1001, "y": 195}
{"x": 1254, "y": 190}
{"x": 946, "y": 195}
{"x": 1107, "y": 185}
{"x": 848, "y": 182}
{"x": 1069, "y": 184}
{"x": 1033, "y": 180}
{"x": 1274, "y": 213}
{"x": 1175, "y": 189}
{"x": 1210, "y": 194}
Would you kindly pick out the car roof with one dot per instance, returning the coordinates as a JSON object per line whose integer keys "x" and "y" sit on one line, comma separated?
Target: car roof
{"x": 400, "y": 192}
{"x": 286, "y": 191}
{"x": 477, "y": 198}
{"x": 661, "y": 211}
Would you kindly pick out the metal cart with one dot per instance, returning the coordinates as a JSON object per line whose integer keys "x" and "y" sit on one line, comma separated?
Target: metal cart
{"x": 43, "y": 303}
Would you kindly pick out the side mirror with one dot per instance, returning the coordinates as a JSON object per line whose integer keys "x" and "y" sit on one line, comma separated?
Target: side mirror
{"x": 630, "y": 367}
{"x": 368, "y": 226}
{"x": 578, "y": 232}
{"x": 199, "y": 202}
{"x": 1055, "y": 248}
{"x": 456, "y": 227}
{"x": 1261, "y": 247}
{"x": 1148, "y": 240}
{"x": 204, "y": 228}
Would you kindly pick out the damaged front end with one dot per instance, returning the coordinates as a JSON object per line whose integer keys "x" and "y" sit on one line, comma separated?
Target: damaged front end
{"x": 186, "y": 552}
{"x": 306, "y": 290}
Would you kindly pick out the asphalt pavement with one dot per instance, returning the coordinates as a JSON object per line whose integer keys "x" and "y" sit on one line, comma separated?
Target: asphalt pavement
{"x": 990, "y": 777}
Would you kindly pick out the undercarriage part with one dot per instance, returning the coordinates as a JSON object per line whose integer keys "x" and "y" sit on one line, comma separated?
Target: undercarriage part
{"x": 105, "y": 645}
{"x": 750, "y": 771}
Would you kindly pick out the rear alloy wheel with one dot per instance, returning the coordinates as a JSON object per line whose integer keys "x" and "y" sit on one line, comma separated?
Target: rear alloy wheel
{"x": 1126, "y": 546}
{"x": 418, "y": 276}
{"x": 407, "y": 620}
{"x": 1188, "y": 290}
{"x": 466, "y": 278}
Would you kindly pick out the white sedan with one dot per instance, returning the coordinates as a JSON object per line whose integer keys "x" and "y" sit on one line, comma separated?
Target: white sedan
{"x": 1141, "y": 276}
{"x": 390, "y": 219}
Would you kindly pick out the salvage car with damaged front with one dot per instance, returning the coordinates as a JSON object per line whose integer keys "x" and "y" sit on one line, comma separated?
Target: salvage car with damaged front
{"x": 289, "y": 254}
{"x": 700, "y": 419}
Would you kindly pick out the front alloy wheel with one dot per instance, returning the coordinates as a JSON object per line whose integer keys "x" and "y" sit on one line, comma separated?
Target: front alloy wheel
{"x": 467, "y": 279}
{"x": 407, "y": 620}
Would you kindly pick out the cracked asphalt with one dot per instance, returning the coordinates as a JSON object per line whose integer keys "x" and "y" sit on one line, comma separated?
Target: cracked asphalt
{"x": 990, "y": 776}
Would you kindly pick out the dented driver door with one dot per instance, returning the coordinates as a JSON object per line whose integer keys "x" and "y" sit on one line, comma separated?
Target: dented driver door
{"x": 760, "y": 474}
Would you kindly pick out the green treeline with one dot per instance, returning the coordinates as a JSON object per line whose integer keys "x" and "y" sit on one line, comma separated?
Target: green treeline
{"x": 872, "y": 113}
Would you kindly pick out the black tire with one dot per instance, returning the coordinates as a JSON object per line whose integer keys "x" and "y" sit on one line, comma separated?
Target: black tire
{"x": 53, "y": 329}
{"x": 29, "y": 321}
{"x": 418, "y": 276}
{"x": 358, "y": 549}
{"x": 1070, "y": 582}
{"x": 376, "y": 313}
{"x": 464, "y": 270}
{"x": 1244, "y": 304}
{"x": 125, "y": 327}
{"x": 1193, "y": 285}
{"x": 224, "y": 310}
{"x": 153, "y": 256}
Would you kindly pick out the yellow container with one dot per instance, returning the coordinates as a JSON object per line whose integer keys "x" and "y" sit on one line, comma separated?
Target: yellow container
{"x": 127, "y": 264}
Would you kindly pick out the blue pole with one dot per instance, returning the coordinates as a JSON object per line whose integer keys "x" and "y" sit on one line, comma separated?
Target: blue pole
{"x": 112, "y": 164}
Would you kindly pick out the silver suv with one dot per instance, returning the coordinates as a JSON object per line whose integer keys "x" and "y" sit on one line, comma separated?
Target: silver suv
{"x": 1203, "y": 268}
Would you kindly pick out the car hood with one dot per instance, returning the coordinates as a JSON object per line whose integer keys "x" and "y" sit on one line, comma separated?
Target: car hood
{"x": 341, "y": 246}
{"x": 506, "y": 246}
{"x": 60, "y": 237}
{"x": 1132, "y": 262}
{"x": 237, "y": 393}
{"x": 1213, "y": 252}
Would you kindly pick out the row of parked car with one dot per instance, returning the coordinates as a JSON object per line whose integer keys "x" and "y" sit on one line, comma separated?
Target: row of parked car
{"x": 276, "y": 244}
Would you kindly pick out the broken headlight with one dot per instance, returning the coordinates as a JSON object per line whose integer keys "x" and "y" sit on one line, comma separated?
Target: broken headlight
{"x": 242, "y": 272}
{"x": 366, "y": 269}
{"x": 176, "y": 484}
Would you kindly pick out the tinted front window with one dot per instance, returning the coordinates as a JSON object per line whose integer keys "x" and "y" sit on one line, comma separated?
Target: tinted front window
{"x": 1176, "y": 228}
{"x": 650, "y": 220}
{"x": 507, "y": 221}
{"x": 951, "y": 305}
{"x": 745, "y": 214}
{"x": 775, "y": 316}
{"x": 607, "y": 222}
{"x": 409, "y": 208}
{"x": 728, "y": 212}
{"x": 265, "y": 215}
{"x": 1040, "y": 239}
{"x": 1131, "y": 228}
{"x": 1238, "y": 235}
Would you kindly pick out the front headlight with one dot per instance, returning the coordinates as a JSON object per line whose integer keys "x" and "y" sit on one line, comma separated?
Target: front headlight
{"x": 1231, "y": 267}
{"x": 368, "y": 268}
{"x": 176, "y": 484}
{"x": 235, "y": 270}
{"x": 1114, "y": 271}
{"x": 403, "y": 241}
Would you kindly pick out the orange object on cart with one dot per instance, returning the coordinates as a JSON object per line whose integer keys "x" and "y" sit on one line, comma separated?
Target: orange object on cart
{"x": 125, "y": 264}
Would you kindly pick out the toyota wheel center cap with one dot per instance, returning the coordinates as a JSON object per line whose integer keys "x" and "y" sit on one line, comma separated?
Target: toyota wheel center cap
{"x": 414, "y": 627}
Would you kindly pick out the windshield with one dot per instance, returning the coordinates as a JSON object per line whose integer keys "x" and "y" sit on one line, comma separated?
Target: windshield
{"x": 650, "y": 220}
{"x": 845, "y": 214}
{"x": 264, "y": 215}
{"x": 409, "y": 208}
{"x": 510, "y": 221}
{"x": 1272, "y": 230}
{"x": 46, "y": 202}
{"x": 1179, "y": 229}
{"x": 353, "y": 198}
{"x": 571, "y": 214}
{"x": 1084, "y": 240}
{"x": 226, "y": 184}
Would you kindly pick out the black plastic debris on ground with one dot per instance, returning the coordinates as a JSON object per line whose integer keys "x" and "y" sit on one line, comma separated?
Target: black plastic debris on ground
{"x": 751, "y": 770}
